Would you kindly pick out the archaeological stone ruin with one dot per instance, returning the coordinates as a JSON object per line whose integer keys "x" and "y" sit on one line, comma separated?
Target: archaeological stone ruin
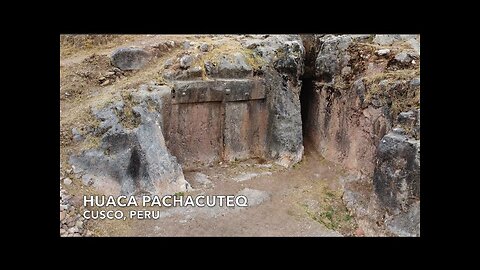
{"x": 353, "y": 99}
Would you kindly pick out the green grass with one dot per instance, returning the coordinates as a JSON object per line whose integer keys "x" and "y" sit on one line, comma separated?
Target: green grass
{"x": 332, "y": 213}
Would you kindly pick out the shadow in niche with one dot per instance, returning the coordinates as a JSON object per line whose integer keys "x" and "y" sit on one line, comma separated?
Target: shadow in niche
{"x": 133, "y": 169}
{"x": 306, "y": 97}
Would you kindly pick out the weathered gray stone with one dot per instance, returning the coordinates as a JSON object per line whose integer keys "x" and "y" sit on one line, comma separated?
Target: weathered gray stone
{"x": 407, "y": 118}
{"x": 291, "y": 57}
{"x": 397, "y": 172}
{"x": 284, "y": 135}
{"x": 231, "y": 66}
{"x": 186, "y": 61}
{"x": 77, "y": 136}
{"x": 416, "y": 128}
{"x": 408, "y": 37}
{"x": 413, "y": 41}
{"x": 209, "y": 67}
{"x": 398, "y": 131}
{"x": 189, "y": 74}
{"x": 386, "y": 39}
{"x": 361, "y": 37}
{"x": 383, "y": 52}
{"x": 252, "y": 43}
{"x": 186, "y": 45}
{"x": 415, "y": 44}
{"x": 406, "y": 223}
{"x": 332, "y": 56}
{"x": 133, "y": 158}
{"x": 130, "y": 58}
{"x": 67, "y": 181}
{"x": 415, "y": 82}
{"x": 403, "y": 58}
{"x": 268, "y": 47}
{"x": 284, "y": 140}
{"x": 204, "y": 47}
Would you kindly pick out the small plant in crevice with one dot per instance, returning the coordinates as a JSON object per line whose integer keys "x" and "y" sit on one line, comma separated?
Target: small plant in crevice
{"x": 179, "y": 194}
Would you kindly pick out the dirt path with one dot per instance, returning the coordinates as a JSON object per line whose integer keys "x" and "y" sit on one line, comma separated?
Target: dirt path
{"x": 296, "y": 202}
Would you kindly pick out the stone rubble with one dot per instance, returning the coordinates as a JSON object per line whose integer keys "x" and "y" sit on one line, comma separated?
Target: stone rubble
{"x": 72, "y": 223}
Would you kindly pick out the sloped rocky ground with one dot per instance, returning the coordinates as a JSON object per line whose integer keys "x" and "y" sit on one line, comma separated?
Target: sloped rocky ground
{"x": 72, "y": 223}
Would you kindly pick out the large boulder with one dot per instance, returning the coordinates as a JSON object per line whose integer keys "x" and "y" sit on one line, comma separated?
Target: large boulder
{"x": 131, "y": 157}
{"x": 397, "y": 172}
{"x": 231, "y": 66}
{"x": 130, "y": 58}
{"x": 332, "y": 56}
{"x": 284, "y": 139}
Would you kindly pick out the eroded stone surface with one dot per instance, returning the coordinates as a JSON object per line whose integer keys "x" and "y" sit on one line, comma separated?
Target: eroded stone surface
{"x": 397, "y": 174}
{"x": 131, "y": 159}
{"x": 130, "y": 58}
{"x": 248, "y": 107}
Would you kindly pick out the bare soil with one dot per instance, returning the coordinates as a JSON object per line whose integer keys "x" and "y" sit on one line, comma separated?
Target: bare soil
{"x": 303, "y": 201}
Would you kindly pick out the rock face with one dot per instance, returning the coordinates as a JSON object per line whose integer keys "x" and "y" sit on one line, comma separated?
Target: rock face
{"x": 351, "y": 104}
{"x": 338, "y": 122}
{"x": 132, "y": 156}
{"x": 285, "y": 140}
{"x": 130, "y": 58}
{"x": 241, "y": 104}
{"x": 332, "y": 56}
{"x": 406, "y": 223}
{"x": 350, "y": 110}
{"x": 397, "y": 173}
{"x": 284, "y": 55}
{"x": 231, "y": 66}
{"x": 386, "y": 39}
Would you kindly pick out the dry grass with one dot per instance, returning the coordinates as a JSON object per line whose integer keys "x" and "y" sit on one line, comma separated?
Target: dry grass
{"x": 402, "y": 99}
{"x": 331, "y": 211}
{"x": 128, "y": 118}
{"x": 71, "y": 45}
{"x": 227, "y": 49}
